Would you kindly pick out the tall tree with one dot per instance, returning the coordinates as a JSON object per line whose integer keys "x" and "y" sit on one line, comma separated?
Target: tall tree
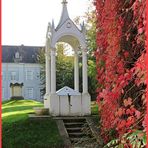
{"x": 90, "y": 24}
{"x": 64, "y": 68}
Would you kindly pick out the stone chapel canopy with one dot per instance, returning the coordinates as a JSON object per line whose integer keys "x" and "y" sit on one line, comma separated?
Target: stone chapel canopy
{"x": 66, "y": 31}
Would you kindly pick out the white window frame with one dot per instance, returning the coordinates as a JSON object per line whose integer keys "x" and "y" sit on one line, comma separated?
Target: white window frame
{"x": 29, "y": 75}
{"x": 29, "y": 92}
{"x": 13, "y": 75}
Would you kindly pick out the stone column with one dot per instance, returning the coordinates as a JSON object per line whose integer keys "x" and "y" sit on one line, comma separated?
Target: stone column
{"x": 53, "y": 71}
{"x": 84, "y": 70}
{"x": 47, "y": 57}
{"x": 47, "y": 73}
{"x": 76, "y": 71}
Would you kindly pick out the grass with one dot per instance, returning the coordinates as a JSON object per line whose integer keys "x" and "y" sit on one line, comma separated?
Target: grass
{"x": 18, "y": 110}
{"x": 18, "y": 131}
{"x": 94, "y": 108}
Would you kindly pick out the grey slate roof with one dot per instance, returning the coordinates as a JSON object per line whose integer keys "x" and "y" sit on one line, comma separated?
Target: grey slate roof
{"x": 28, "y": 54}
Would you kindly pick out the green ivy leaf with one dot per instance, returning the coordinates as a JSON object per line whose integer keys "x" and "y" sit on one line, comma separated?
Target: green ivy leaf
{"x": 144, "y": 139}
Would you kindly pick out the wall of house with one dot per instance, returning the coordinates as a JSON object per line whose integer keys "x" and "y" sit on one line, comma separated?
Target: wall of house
{"x": 28, "y": 74}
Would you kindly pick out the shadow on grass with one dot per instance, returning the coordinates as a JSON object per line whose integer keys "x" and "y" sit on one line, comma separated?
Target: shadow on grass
{"x": 31, "y": 134}
{"x": 15, "y": 117}
{"x": 18, "y": 131}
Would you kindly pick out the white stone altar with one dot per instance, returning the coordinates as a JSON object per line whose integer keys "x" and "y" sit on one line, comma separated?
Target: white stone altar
{"x": 66, "y": 101}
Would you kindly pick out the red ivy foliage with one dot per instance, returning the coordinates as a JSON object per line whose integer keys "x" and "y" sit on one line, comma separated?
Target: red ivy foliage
{"x": 120, "y": 59}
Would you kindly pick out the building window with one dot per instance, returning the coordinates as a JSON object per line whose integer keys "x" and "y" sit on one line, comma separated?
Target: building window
{"x": 41, "y": 93}
{"x": 38, "y": 75}
{"x": 17, "y": 56}
{"x": 29, "y": 75}
{"x": 29, "y": 92}
{"x": 13, "y": 76}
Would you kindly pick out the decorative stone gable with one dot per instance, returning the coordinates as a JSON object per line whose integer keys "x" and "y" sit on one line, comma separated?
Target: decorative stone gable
{"x": 67, "y": 91}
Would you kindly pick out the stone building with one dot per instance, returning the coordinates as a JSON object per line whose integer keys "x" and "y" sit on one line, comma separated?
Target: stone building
{"x": 20, "y": 72}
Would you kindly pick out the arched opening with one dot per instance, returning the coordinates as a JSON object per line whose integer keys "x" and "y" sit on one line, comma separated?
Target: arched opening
{"x": 69, "y": 39}
{"x": 64, "y": 65}
{"x": 67, "y": 74}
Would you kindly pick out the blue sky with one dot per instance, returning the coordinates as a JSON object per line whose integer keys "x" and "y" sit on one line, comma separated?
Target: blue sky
{"x": 25, "y": 21}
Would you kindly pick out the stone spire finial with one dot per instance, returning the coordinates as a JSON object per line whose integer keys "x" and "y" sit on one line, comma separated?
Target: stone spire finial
{"x": 64, "y": 2}
{"x": 64, "y": 15}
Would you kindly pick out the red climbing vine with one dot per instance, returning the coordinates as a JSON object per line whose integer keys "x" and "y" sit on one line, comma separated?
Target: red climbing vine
{"x": 120, "y": 59}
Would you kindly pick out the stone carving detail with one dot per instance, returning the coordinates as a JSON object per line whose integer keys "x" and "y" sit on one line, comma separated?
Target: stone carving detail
{"x": 68, "y": 25}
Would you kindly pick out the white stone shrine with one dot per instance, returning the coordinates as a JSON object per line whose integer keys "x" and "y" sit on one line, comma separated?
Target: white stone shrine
{"x": 66, "y": 101}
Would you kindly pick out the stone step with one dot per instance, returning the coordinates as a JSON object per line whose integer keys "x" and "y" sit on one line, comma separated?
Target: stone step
{"x": 74, "y": 128}
{"x": 69, "y": 117}
{"x": 77, "y": 131}
{"x": 76, "y": 135}
{"x": 74, "y": 140}
{"x": 74, "y": 120}
{"x": 74, "y": 123}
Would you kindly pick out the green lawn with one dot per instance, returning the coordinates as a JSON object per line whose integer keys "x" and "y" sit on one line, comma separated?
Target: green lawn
{"x": 18, "y": 131}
